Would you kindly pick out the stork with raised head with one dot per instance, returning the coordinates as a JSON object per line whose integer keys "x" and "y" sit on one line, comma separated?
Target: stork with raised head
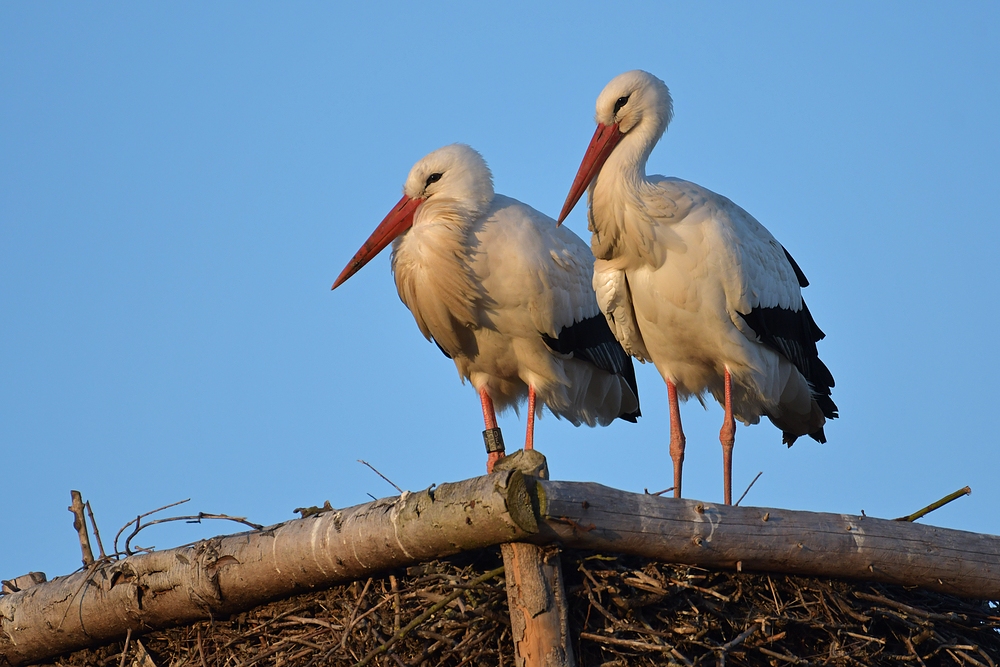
{"x": 505, "y": 293}
{"x": 693, "y": 283}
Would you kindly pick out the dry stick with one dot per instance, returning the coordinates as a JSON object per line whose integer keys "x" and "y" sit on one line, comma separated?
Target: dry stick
{"x": 913, "y": 651}
{"x": 80, "y": 523}
{"x": 353, "y": 617}
{"x": 138, "y": 518}
{"x": 381, "y": 475}
{"x": 787, "y": 658}
{"x": 658, "y": 493}
{"x": 966, "y": 491}
{"x": 950, "y": 616}
{"x": 748, "y": 488}
{"x": 968, "y": 658}
{"x": 128, "y": 638}
{"x": 201, "y": 651}
{"x": 629, "y": 643}
{"x": 988, "y": 659}
{"x": 427, "y": 614}
{"x": 97, "y": 533}
{"x": 395, "y": 602}
{"x": 726, "y": 648}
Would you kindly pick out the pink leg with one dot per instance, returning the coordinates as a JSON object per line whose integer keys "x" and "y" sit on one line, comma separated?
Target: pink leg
{"x": 529, "y": 436}
{"x": 490, "y": 420}
{"x": 727, "y": 436}
{"x": 676, "y": 437}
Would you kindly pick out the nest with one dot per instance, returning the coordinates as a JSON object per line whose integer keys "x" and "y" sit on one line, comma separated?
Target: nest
{"x": 623, "y": 611}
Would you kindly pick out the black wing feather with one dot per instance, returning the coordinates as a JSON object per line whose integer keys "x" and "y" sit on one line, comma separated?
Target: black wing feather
{"x": 592, "y": 339}
{"x": 801, "y": 277}
{"x": 794, "y": 334}
{"x": 443, "y": 351}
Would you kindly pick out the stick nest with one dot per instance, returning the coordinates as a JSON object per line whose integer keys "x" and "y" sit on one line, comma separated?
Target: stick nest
{"x": 625, "y": 611}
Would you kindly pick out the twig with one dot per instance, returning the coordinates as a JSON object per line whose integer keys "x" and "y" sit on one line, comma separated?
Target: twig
{"x": 628, "y": 643}
{"x": 706, "y": 591}
{"x": 304, "y": 620}
{"x": 395, "y": 602}
{"x": 427, "y": 614}
{"x": 913, "y": 651}
{"x": 353, "y": 617}
{"x": 141, "y": 516}
{"x": 128, "y": 638}
{"x": 968, "y": 658}
{"x": 658, "y": 493}
{"x": 380, "y": 475}
{"x": 787, "y": 658}
{"x": 190, "y": 519}
{"x": 726, "y": 648}
{"x": 201, "y": 651}
{"x": 80, "y": 523}
{"x": 748, "y": 488}
{"x": 97, "y": 533}
{"x": 966, "y": 491}
{"x": 950, "y": 616}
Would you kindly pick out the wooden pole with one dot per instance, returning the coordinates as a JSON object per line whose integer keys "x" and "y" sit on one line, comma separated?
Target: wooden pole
{"x": 536, "y": 595}
{"x": 845, "y": 546}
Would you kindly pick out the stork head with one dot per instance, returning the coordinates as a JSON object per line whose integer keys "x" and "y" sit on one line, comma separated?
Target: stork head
{"x": 452, "y": 182}
{"x": 635, "y": 103}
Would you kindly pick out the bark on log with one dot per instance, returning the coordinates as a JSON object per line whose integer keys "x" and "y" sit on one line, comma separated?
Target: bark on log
{"x": 231, "y": 573}
{"x": 592, "y": 516}
{"x": 539, "y": 612}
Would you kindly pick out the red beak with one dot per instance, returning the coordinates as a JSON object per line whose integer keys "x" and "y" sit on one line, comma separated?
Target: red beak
{"x": 606, "y": 137}
{"x": 400, "y": 219}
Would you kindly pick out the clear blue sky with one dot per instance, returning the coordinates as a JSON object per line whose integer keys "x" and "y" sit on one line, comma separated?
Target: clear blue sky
{"x": 181, "y": 183}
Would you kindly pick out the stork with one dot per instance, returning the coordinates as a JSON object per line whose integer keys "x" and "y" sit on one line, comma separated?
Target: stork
{"x": 506, "y": 294}
{"x": 693, "y": 283}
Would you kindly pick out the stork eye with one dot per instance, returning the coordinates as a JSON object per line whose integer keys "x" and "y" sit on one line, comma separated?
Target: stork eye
{"x": 622, "y": 101}
{"x": 433, "y": 178}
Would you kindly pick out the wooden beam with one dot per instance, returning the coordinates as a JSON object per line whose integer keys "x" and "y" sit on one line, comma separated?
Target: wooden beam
{"x": 845, "y": 546}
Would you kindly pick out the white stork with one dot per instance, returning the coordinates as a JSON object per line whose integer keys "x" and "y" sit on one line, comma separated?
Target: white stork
{"x": 693, "y": 283}
{"x": 505, "y": 293}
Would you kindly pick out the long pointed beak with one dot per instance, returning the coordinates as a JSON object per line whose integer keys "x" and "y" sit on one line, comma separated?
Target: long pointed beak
{"x": 400, "y": 219}
{"x": 606, "y": 137}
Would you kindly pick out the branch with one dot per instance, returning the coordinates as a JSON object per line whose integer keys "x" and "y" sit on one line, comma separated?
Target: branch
{"x": 141, "y": 516}
{"x": 965, "y": 491}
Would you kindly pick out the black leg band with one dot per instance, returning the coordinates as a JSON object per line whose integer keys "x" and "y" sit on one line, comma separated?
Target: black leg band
{"x": 493, "y": 439}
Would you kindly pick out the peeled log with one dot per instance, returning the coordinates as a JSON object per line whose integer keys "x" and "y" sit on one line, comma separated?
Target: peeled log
{"x": 228, "y": 574}
{"x": 592, "y": 516}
